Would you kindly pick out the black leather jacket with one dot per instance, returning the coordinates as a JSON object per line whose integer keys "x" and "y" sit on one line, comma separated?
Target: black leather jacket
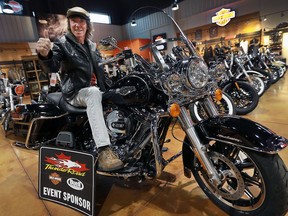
{"x": 76, "y": 64}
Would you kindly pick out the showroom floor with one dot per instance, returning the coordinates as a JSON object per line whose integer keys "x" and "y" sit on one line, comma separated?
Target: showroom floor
{"x": 172, "y": 194}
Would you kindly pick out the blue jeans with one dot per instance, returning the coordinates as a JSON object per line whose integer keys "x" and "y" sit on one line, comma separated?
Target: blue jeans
{"x": 91, "y": 97}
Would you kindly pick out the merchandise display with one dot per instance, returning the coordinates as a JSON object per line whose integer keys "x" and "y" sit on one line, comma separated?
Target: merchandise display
{"x": 36, "y": 78}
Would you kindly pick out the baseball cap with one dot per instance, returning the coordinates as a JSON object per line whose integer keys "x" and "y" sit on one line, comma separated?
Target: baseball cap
{"x": 78, "y": 11}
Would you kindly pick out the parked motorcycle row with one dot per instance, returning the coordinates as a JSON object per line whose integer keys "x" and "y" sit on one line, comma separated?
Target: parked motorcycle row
{"x": 245, "y": 76}
{"x": 234, "y": 160}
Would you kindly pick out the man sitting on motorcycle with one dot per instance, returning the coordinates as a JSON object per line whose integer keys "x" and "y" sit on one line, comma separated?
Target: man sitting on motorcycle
{"x": 82, "y": 79}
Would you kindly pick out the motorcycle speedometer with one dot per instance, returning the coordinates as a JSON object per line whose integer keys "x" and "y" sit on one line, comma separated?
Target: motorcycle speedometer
{"x": 197, "y": 73}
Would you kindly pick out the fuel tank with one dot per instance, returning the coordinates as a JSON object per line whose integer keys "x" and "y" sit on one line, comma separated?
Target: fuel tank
{"x": 138, "y": 90}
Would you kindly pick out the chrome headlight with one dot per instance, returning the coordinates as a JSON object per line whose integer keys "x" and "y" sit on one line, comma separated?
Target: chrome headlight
{"x": 197, "y": 73}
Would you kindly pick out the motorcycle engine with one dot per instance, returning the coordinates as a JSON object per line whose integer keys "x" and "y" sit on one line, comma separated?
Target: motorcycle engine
{"x": 119, "y": 124}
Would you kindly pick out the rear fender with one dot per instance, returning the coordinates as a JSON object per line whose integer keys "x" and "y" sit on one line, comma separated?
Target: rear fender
{"x": 39, "y": 109}
{"x": 44, "y": 121}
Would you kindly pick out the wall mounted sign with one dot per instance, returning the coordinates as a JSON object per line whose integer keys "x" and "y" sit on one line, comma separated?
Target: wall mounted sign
{"x": 160, "y": 37}
{"x": 198, "y": 34}
{"x": 16, "y": 6}
{"x": 223, "y": 17}
{"x": 213, "y": 31}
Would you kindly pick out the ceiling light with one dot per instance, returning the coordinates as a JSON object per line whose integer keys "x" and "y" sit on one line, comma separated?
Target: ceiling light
{"x": 264, "y": 18}
{"x": 133, "y": 22}
{"x": 8, "y": 9}
{"x": 175, "y": 6}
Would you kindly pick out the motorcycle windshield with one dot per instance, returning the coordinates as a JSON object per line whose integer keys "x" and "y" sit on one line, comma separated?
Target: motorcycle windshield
{"x": 173, "y": 66}
{"x": 175, "y": 63}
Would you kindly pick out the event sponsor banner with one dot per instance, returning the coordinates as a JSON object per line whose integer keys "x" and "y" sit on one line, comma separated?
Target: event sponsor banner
{"x": 67, "y": 177}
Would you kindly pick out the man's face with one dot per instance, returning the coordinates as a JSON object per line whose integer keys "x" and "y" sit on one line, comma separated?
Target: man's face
{"x": 78, "y": 27}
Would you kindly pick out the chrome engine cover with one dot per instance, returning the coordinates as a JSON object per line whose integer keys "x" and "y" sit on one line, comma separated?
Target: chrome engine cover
{"x": 119, "y": 124}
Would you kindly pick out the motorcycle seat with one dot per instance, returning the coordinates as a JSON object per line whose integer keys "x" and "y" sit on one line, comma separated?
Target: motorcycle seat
{"x": 57, "y": 99}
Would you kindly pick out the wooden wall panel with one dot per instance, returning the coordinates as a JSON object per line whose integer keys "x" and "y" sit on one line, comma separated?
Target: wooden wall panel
{"x": 13, "y": 51}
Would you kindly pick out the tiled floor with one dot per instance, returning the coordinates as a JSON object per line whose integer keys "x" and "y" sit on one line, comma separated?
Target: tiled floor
{"x": 172, "y": 194}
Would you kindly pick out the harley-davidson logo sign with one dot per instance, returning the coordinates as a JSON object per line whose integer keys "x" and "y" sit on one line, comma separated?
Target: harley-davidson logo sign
{"x": 16, "y": 6}
{"x": 55, "y": 178}
{"x": 223, "y": 17}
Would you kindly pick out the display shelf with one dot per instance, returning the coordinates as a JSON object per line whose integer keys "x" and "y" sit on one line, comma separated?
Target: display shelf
{"x": 35, "y": 76}
{"x": 276, "y": 39}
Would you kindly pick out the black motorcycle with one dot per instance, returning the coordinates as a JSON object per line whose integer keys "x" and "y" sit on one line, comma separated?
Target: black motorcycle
{"x": 259, "y": 63}
{"x": 244, "y": 96}
{"x": 11, "y": 95}
{"x": 233, "y": 159}
{"x": 255, "y": 78}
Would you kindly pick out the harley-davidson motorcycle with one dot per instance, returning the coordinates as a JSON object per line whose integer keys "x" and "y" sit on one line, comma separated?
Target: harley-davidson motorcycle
{"x": 11, "y": 95}
{"x": 234, "y": 160}
{"x": 243, "y": 95}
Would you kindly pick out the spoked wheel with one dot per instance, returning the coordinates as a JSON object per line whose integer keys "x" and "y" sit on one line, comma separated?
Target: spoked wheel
{"x": 284, "y": 68}
{"x": 225, "y": 107}
{"x": 245, "y": 98}
{"x": 258, "y": 84}
{"x": 252, "y": 183}
{"x": 266, "y": 76}
{"x": 282, "y": 71}
{"x": 275, "y": 74}
{"x": 7, "y": 119}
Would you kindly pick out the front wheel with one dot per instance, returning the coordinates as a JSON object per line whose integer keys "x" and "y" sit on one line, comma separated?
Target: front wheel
{"x": 6, "y": 122}
{"x": 258, "y": 84}
{"x": 225, "y": 107}
{"x": 275, "y": 74}
{"x": 244, "y": 96}
{"x": 253, "y": 183}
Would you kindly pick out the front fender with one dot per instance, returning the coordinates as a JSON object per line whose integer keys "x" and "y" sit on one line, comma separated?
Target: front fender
{"x": 233, "y": 130}
{"x": 241, "y": 132}
{"x": 242, "y": 75}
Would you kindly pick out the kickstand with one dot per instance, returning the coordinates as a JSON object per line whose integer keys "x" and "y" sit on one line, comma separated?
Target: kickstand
{"x": 19, "y": 144}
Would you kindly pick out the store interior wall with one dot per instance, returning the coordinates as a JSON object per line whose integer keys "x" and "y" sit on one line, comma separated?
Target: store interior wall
{"x": 272, "y": 10}
{"x": 17, "y": 29}
{"x": 104, "y": 30}
{"x": 189, "y": 15}
{"x": 285, "y": 44}
{"x": 187, "y": 18}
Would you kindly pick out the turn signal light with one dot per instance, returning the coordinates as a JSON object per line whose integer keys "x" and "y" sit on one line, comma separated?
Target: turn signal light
{"x": 218, "y": 94}
{"x": 174, "y": 110}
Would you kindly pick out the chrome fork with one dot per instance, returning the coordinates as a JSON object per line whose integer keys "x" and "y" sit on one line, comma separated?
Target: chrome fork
{"x": 199, "y": 149}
